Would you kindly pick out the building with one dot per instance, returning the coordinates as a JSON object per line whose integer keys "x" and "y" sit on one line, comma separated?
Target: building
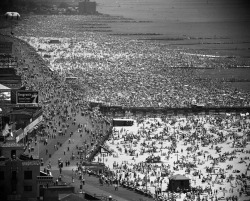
{"x": 87, "y": 7}
{"x": 179, "y": 183}
{"x": 22, "y": 122}
{"x": 19, "y": 114}
{"x": 8, "y": 61}
{"x": 9, "y": 83}
{"x": 9, "y": 78}
{"x": 5, "y": 101}
{"x": 20, "y": 176}
{"x": 23, "y": 116}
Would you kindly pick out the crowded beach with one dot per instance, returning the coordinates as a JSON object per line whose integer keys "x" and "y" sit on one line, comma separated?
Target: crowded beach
{"x": 128, "y": 72}
{"x": 210, "y": 150}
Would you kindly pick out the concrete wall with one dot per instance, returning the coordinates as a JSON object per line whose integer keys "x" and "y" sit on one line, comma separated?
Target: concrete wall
{"x": 51, "y": 193}
{"x": 6, "y": 151}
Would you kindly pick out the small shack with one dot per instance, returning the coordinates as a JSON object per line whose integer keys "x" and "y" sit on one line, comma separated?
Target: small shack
{"x": 179, "y": 183}
{"x": 54, "y": 41}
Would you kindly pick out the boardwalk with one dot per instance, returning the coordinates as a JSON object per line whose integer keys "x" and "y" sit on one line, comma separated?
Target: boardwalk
{"x": 92, "y": 185}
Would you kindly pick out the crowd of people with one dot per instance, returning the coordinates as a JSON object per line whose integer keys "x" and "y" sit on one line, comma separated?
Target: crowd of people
{"x": 64, "y": 110}
{"x": 211, "y": 151}
{"x": 128, "y": 72}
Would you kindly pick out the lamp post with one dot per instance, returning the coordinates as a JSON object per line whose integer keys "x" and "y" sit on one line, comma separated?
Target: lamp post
{"x": 82, "y": 182}
{"x": 81, "y": 187}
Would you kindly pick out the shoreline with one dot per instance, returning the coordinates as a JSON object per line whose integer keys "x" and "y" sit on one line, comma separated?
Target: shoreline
{"x": 180, "y": 56}
{"x": 188, "y": 35}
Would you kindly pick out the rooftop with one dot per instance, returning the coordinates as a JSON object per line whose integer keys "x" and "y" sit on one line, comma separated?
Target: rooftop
{"x": 10, "y": 144}
{"x": 2, "y": 163}
{"x": 24, "y": 163}
{"x": 31, "y": 162}
{"x": 69, "y": 197}
{"x": 3, "y": 87}
{"x": 178, "y": 177}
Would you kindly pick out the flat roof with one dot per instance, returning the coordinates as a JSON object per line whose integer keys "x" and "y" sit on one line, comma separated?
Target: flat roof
{"x": 31, "y": 162}
{"x": 10, "y": 144}
{"x": 123, "y": 119}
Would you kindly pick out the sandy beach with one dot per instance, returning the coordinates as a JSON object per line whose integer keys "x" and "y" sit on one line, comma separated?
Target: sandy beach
{"x": 155, "y": 138}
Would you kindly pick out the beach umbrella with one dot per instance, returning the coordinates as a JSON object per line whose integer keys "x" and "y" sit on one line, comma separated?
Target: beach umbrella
{"x": 13, "y": 16}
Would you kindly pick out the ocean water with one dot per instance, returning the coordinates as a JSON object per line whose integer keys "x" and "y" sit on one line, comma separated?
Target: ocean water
{"x": 182, "y": 10}
{"x": 219, "y": 25}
